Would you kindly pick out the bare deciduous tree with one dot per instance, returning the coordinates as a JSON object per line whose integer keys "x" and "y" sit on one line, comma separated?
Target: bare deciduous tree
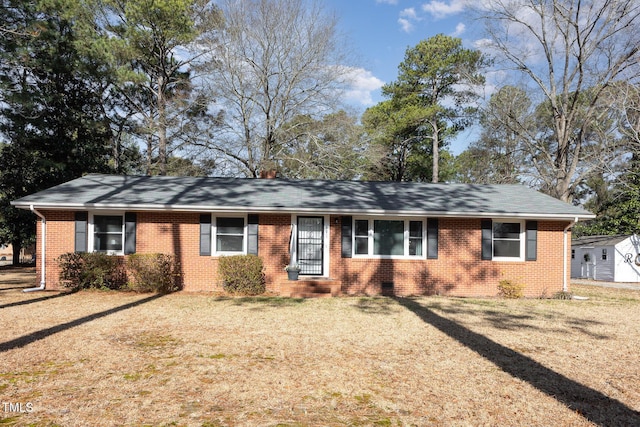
{"x": 571, "y": 51}
{"x": 498, "y": 156}
{"x": 275, "y": 60}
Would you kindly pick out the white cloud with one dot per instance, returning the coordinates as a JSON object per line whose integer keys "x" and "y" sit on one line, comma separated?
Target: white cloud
{"x": 483, "y": 44}
{"x": 460, "y": 29}
{"x": 407, "y": 17}
{"x": 406, "y": 25}
{"x": 392, "y": 2}
{"x": 441, "y": 9}
{"x": 409, "y": 13}
{"x": 361, "y": 84}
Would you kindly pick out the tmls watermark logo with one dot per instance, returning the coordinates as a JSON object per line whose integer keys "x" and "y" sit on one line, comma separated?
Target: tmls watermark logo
{"x": 17, "y": 407}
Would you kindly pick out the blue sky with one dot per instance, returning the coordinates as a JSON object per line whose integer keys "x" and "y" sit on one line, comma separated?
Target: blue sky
{"x": 380, "y": 31}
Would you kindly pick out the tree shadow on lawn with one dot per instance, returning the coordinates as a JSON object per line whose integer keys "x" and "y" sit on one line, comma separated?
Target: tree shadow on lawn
{"x": 32, "y": 300}
{"x": 376, "y": 305}
{"x": 44, "y": 333}
{"x": 591, "y": 404}
{"x": 261, "y": 301}
{"x": 515, "y": 321}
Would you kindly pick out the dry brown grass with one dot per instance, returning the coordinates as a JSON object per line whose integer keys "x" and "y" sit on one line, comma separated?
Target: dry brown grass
{"x": 106, "y": 358}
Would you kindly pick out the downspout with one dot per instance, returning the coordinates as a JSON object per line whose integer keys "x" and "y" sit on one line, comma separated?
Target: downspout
{"x": 44, "y": 252}
{"x": 565, "y": 285}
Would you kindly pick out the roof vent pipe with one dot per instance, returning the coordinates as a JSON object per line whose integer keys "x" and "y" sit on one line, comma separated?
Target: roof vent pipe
{"x": 44, "y": 252}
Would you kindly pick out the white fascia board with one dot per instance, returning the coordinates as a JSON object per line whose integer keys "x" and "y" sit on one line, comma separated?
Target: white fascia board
{"x": 284, "y": 210}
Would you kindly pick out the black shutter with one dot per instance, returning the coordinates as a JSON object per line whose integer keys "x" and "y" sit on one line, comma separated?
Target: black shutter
{"x": 252, "y": 225}
{"x": 432, "y": 238}
{"x": 346, "y": 237}
{"x": 205, "y": 235}
{"x": 129, "y": 233}
{"x": 531, "y": 248}
{"x": 81, "y": 232}
{"x": 487, "y": 239}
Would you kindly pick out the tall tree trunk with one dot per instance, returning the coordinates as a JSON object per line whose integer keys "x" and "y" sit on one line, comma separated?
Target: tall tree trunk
{"x": 162, "y": 126}
{"x": 435, "y": 141}
{"x": 16, "y": 245}
{"x": 149, "y": 154}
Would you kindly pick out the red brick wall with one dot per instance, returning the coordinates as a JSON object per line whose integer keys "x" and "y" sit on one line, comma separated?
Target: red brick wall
{"x": 60, "y": 240}
{"x": 457, "y": 271}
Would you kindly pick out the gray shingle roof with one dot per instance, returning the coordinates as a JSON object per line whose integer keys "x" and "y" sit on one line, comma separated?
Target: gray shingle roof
{"x": 301, "y": 196}
{"x": 599, "y": 240}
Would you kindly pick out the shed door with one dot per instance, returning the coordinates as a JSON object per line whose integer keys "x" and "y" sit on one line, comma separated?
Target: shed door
{"x": 588, "y": 264}
{"x": 310, "y": 245}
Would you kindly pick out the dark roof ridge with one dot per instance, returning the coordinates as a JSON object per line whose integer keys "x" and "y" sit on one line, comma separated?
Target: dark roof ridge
{"x": 285, "y": 179}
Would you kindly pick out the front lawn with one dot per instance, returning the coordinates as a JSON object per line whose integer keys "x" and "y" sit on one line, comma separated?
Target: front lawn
{"x": 107, "y": 358}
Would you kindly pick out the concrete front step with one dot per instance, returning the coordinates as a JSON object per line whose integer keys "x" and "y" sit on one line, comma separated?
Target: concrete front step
{"x": 310, "y": 288}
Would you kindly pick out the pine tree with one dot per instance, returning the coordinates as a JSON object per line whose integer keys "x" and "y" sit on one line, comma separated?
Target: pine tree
{"x": 53, "y": 122}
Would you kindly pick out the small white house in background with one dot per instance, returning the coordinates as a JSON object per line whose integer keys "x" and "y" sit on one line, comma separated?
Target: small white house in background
{"x": 607, "y": 258}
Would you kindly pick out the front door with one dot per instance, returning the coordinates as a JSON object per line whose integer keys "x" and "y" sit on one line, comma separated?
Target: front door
{"x": 310, "y": 245}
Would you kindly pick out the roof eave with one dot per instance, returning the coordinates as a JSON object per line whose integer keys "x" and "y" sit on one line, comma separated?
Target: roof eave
{"x": 290, "y": 210}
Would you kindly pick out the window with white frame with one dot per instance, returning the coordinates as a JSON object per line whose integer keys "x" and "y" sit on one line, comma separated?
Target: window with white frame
{"x": 361, "y": 236}
{"x": 230, "y": 235}
{"x": 604, "y": 254}
{"x": 381, "y": 237}
{"x": 108, "y": 233}
{"x": 508, "y": 240}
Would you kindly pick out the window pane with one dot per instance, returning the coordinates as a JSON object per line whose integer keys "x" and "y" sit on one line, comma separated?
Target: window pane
{"x": 506, "y": 230}
{"x": 415, "y": 229}
{"x": 230, "y": 225}
{"x": 229, "y": 243}
{"x": 415, "y": 238}
{"x": 415, "y": 247}
{"x": 506, "y": 248}
{"x": 362, "y": 245}
{"x": 107, "y": 224}
{"x": 362, "y": 227}
{"x": 107, "y": 233}
{"x": 388, "y": 237}
{"x": 107, "y": 242}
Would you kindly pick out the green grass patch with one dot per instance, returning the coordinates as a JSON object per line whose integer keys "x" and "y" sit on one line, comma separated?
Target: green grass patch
{"x": 155, "y": 340}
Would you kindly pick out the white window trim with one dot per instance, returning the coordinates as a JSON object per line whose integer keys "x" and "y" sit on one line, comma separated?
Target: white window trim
{"x": 523, "y": 238}
{"x": 370, "y": 242}
{"x": 214, "y": 235}
{"x": 91, "y": 229}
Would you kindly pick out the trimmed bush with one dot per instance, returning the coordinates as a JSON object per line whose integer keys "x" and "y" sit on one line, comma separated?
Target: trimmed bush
{"x": 242, "y": 274}
{"x": 153, "y": 273}
{"x": 511, "y": 290}
{"x": 91, "y": 270}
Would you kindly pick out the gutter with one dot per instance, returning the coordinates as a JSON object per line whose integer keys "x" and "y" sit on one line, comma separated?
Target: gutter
{"x": 44, "y": 252}
{"x": 302, "y": 210}
{"x": 565, "y": 285}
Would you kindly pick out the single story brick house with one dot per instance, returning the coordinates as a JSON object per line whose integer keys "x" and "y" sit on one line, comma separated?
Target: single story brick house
{"x": 348, "y": 237}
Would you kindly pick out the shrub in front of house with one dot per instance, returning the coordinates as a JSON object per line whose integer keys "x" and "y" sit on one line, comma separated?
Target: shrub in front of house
{"x": 95, "y": 270}
{"x": 153, "y": 273}
{"x": 510, "y": 289}
{"x": 242, "y": 274}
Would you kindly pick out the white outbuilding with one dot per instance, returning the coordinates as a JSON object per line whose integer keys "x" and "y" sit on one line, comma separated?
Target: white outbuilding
{"x": 607, "y": 258}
